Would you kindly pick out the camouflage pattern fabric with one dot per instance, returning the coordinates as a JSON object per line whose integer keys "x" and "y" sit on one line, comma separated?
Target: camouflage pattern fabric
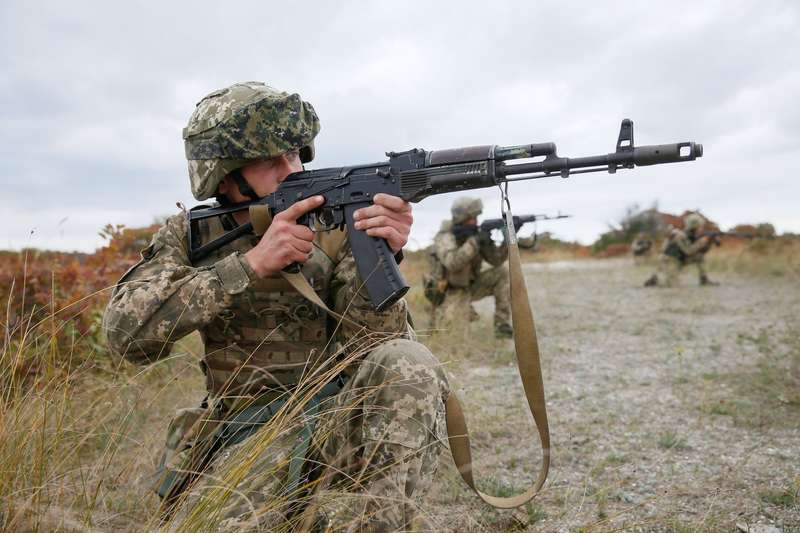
{"x": 693, "y": 221}
{"x": 376, "y": 448}
{"x": 386, "y": 437}
{"x": 466, "y": 282}
{"x": 670, "y": 268}
{"x": 679, "y": 249}
{"x": 465, "y": 208}
{"x": 258, "y": 327}
{"x": 164, "y": 298}
{"x": 241, "y": 123}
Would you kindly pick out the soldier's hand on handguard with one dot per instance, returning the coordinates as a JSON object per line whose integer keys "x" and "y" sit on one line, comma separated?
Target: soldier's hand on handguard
{"x": 285, "y": 242}
{"x": 388, "y": 217}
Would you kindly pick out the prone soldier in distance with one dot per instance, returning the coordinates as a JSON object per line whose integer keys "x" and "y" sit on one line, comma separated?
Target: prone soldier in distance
{"x": 683, "y": 247}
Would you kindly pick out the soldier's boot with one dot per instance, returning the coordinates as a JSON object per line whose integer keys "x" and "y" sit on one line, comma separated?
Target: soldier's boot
{"x": 705, "y": 281}
{"x": 503, "y": 331}
{"x": 652, "y": 281}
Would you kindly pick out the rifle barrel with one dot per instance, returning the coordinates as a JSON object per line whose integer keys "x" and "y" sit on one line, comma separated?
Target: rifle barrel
{"x": 625, "y": 158}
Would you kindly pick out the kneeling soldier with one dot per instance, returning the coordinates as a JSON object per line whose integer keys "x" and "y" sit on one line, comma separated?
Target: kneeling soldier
{"x": 373, "y": 424}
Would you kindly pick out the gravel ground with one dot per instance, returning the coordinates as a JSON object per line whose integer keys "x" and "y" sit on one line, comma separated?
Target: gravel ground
{"x": 670, "y": 409}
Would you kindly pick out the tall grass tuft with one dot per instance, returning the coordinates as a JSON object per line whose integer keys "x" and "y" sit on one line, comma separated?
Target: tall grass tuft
{"x": 64, "y": 412}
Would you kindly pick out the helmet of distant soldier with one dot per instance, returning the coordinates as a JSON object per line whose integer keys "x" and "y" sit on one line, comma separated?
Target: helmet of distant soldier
{"x": 692, "y": 222}
{"x": 466, "y": 208}
{"x": 242, "y": 123}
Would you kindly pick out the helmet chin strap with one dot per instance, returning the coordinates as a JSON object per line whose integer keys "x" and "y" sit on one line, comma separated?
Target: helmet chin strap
{"x": 244, "y": 188}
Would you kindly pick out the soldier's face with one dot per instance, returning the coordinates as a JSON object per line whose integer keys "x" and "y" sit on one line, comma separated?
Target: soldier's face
{"x": 263, "y": 176}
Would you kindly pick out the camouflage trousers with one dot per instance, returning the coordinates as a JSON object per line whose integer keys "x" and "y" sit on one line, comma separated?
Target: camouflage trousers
{"x": 456, "y": 310}
{"x": 371, "y": 459}
{"x": 669, "y": 268}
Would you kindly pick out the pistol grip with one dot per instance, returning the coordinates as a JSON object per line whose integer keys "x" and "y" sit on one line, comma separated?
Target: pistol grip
{"x": 375, "y": 263}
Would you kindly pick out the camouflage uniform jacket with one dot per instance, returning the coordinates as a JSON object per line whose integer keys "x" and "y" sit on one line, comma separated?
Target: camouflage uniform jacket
{"x": 684, "y": 246}
{"x": 260, "y": 331}
{"x": 462, "y": 261}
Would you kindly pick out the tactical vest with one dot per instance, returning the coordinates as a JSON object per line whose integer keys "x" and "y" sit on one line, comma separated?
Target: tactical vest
{"x": 270, "y": 333}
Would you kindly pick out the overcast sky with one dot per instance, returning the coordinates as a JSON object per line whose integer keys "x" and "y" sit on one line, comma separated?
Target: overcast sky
{"x": 94, "y": 96}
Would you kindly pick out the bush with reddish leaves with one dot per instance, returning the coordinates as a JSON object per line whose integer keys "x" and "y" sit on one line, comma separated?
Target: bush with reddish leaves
{"x": 54, "y": 300}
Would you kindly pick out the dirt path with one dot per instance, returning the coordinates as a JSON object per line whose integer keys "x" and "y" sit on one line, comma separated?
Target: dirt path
{"x": 670, "y": 409}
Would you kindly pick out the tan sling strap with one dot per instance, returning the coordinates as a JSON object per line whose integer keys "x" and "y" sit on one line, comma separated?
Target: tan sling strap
{"x": 529, "y": 365}
{"x": 527, "y": 350}
{"x": 260, "y": 218}
{"x": 301, "y": 285}
{"x": 330, "y": 242}
{"x": 528, "y": 361}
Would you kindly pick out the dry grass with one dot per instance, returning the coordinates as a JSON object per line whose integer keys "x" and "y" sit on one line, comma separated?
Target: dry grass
{"x": 777, "y": 257}
{"x": 79, "y": 444}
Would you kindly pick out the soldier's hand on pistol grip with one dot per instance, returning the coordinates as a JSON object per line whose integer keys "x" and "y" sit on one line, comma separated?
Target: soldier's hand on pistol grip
{"x": 285, "y": 242}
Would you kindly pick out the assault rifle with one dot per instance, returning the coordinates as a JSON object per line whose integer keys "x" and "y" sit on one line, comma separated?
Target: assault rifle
{"x": 714, "y": 237}
{"x": 414, "y": 175}
{"x": 489, "y": 225}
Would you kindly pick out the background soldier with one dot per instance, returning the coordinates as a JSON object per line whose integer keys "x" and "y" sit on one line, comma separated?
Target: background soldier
{"x": 262, "y": 338}
{"x": 459, "y": 250}
{"x": 683, "y": 247}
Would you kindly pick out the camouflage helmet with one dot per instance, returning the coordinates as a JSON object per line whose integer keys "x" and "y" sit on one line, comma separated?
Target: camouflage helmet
{"x": 692, "y": 221}
{"x": 247, "y": 121}
{"x": 466, "y": 208}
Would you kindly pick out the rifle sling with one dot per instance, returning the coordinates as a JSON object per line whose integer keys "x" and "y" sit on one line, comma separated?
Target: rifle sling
{"x": 301, "y": 285}
{"x": 527, "y": 350}
{"x": 528, "y": 362}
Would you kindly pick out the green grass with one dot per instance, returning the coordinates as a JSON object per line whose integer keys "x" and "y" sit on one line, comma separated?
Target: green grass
{"x": 785, "y": 497}
{"x": 670, "y": 440}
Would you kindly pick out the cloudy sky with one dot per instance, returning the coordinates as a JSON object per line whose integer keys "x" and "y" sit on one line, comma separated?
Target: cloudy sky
{"x": 94, "y": 96}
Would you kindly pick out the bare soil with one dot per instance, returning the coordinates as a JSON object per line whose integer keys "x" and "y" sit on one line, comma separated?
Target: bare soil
{"x": 670, "y": 409}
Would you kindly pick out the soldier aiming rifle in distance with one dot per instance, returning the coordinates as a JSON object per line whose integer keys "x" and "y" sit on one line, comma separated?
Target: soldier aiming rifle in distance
{"x": 687, "y": 246}
{"x": 457, "y": 276}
